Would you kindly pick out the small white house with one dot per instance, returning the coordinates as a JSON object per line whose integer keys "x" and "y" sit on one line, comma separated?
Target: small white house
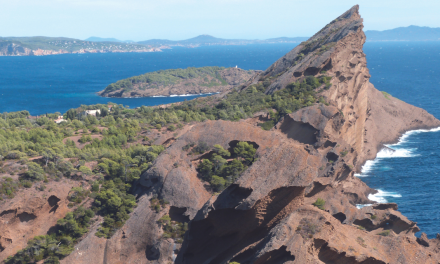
{"x": 90, "y": 112}
{"x": 59, "y": 119}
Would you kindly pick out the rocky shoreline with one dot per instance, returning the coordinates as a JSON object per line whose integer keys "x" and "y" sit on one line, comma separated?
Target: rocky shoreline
{"x": 296, "y": 199}
{"x": 15, "y": 51}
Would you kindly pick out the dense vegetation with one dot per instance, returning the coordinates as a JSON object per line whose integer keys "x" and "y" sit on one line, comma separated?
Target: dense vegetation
{"x": 210, "y": 75}
{"x": 120, "y": 160}
{"x": 115, "y": 142}
{"x": 222, "y": 168}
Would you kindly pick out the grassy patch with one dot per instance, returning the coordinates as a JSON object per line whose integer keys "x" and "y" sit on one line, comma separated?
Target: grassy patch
{"x": 386, "y": 95}
{"x": 385, "y": 233}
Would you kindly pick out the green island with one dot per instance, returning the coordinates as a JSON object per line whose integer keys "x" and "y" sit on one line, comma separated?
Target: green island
{"x": 178, "y": 82}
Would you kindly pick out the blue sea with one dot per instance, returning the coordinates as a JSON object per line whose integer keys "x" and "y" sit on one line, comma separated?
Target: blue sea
{"x": 410, "y": 71}
{"x": 409, "y": 176}
{"x": 56, "y": 83}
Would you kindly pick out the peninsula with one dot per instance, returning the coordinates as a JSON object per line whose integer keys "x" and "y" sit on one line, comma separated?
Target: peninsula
{"x": 40, "y": 46}
{"x": 262, "y": 173}
{"x": 179, "y": 82}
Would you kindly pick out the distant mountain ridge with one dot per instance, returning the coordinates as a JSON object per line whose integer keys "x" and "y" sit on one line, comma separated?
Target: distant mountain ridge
{"x": 411, "y": 33}
{"x": 40, "y": 45}
{"x": 206, "y": 40}
{"x": 98, "y": 39}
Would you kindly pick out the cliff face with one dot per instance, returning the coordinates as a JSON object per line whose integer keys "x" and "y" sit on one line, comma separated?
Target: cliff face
{"x": 8, "y": 48}
{"x": 267, "y": 216}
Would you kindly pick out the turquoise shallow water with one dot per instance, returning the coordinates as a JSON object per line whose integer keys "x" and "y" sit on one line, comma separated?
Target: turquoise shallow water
{"x": 409, "y": 71}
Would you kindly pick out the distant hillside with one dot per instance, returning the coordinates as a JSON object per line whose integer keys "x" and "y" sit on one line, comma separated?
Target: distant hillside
{"x": 411, "y": 33}
{"x": 27, "y": 46}
{"x": 206, "y": 40}
{"x": 98, "y": 39}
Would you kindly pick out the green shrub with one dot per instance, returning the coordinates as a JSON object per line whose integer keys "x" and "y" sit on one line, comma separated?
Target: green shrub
{"x": 27, "y": 184}
{"x": 34, "y": 172}
{"x": 385, "y": 233}
{"x": 267, "y": 125}
{"x": 319, "y": 203}
{"x": 15, "y": 154}
{"x": 217, "y": 183}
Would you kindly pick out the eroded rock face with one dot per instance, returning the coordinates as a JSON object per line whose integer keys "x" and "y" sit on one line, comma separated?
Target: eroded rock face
{"x": 267, "y": 216}
{"x": 338, "y": 138}
{"x": 31, "y": 214}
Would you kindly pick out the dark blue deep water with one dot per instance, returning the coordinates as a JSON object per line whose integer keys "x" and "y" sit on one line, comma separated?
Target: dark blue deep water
{"x": 410, "y": 176}
{"x": 409, "y": 71}
{"x": 60, "y": 82}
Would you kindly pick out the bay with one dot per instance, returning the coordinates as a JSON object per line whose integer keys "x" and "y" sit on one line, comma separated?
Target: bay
{"x": 48, "y": 84}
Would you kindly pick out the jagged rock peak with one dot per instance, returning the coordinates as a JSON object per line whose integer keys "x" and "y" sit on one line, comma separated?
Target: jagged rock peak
{"x": 314, "y": 55}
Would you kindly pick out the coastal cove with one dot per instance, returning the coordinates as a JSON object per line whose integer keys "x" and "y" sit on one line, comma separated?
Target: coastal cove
{"x": 49, "y": 84}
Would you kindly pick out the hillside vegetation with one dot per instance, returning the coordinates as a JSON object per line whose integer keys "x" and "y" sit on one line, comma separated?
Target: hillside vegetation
{"x": 178, "y": 81}
{"x": 123, "y": 152}
{"x": 68, "y": 44}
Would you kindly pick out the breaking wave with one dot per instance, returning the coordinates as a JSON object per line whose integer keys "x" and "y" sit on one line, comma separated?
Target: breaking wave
{"x": 359, "y": 206}
{"x": 404, "y": 137}
{"x": 380, "y": 196}
{"x": 390, "y": 151}
{"x": 394, "y": 151}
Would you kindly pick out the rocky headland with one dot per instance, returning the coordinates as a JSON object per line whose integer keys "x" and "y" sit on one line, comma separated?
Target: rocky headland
{"x": 296, "y": 200}
{"x": 179, "y": 82}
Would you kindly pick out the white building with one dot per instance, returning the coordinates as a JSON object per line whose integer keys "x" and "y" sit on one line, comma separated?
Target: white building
{"x": 59, "y": 119}
{"x": 90, "y": 112}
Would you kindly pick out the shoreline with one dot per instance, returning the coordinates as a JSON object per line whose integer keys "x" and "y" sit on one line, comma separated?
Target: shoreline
{"x": 387, "y": 151}
{"x": 162, "y": 96}
{"x": 51, "y": 53}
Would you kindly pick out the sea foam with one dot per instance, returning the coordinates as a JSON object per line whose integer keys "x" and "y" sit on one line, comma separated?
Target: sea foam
{"x": 390, "y": 151}
{"x": 380, "y": 196}
{"x": 394, "y": 151}
{"x": 184, "y": 95}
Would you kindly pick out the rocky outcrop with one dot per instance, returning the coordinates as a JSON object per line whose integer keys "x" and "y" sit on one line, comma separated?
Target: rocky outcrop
{"x": 31, "y": 214}
{"x": 267, "y": 215}
{"x": 338, "y": 138}
{"x": 9, "y": 48}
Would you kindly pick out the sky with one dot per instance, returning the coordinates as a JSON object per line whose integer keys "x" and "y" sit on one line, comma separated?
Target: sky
{"x": 182, "y": 19}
